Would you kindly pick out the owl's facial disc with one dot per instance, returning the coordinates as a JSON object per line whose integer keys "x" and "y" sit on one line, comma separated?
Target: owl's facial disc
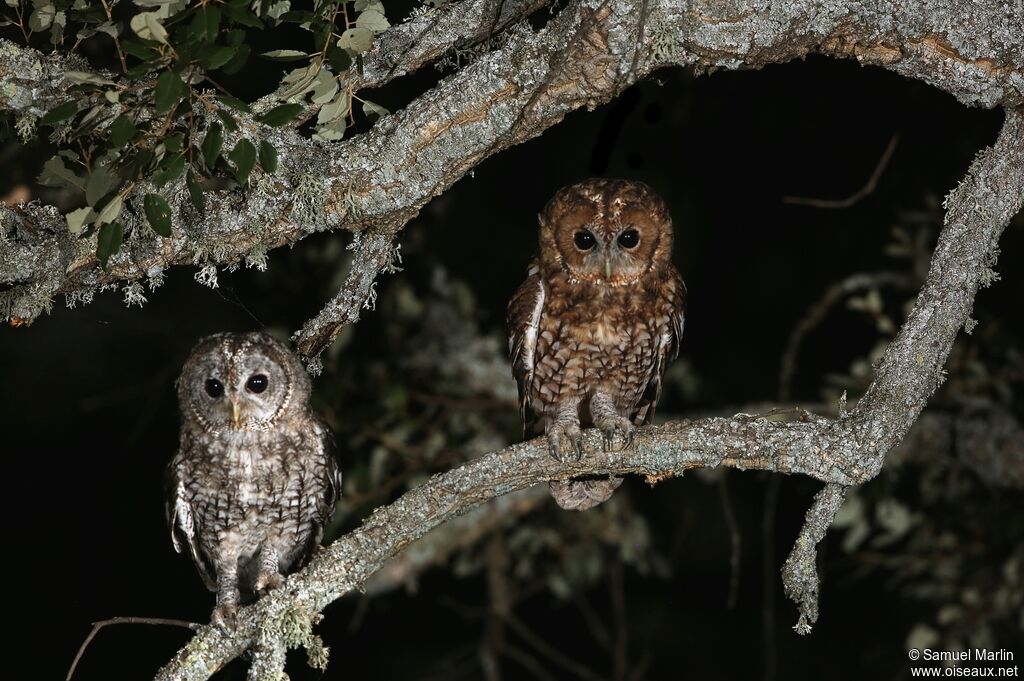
{"x": 242, "y": 382}
{"x": 241, "y": 391}
{"x": 605, "y": 254}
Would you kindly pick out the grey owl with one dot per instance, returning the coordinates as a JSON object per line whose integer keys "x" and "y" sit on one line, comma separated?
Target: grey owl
{"x": 596, "y": 322}
{"x": 254, "y": 479}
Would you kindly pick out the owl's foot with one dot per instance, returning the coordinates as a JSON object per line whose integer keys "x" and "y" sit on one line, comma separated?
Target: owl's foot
{"x": 267, "y": 580}
{"x": 565, "y": 439}
{"x": 224, "y": 616}
{"x": 616, "y": 426}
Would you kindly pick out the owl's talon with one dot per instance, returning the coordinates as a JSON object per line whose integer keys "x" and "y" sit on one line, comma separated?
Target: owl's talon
{"x": 266, "y": 580}
{"x": 561, "y": 435}
{"x": 224, "y": 616}
{"x": 553, "y": 449}
{"x": 617, "y": 426}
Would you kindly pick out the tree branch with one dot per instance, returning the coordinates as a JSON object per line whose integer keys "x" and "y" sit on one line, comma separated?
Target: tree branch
{"x": 853, "y": 198}
{"x": 438, "y": 547}
{"x": 375, "y": 252}
{"x": 844, "y": 451}
{"x": 816, "y": 313}
{"x": 584, "y": 57}
{"x": 800, "y": 572}
{"x": 96, "y": 626}
{"x": 428, "y": 36}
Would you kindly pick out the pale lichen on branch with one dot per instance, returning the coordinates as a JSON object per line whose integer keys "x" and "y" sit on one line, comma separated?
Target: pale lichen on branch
{"x": 384, "y": 177}
{"x": 844, "y": 451}
{"x": 376, "y": 182}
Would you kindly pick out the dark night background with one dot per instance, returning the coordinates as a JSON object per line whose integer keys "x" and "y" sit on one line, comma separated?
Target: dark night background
{"x": 90, "y": 416}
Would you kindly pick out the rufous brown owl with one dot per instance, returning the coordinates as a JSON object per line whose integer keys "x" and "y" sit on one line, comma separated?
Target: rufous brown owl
{"x": 596, "y": 322}
{"x": 254, "y": 479}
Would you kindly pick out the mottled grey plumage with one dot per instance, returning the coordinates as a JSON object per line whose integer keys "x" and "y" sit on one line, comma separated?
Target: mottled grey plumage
{"x": 255, "y": 479}
{"x": 596, "y": 322}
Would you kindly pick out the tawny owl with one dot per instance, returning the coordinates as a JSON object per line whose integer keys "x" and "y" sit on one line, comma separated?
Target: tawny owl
{"x": 255, "y": 479}
{"x": 597, "y": 320}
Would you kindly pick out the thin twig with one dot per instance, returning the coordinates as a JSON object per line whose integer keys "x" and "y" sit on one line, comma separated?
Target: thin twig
{"x": 735, "y": 541}
{"x": 620, "y": 655}
{"x": 771, "y": 503}
{"x": 499, "y": 605}
{"x": 597, "y": 628}
{"x": 552, "y": 653}
{"x": 816, "y": 313}
{"x": 375, "y": 252}
{"x": 528, "y": 662}
{"x": 96, "y": 626}
{"x": 641, "y": 24}
{"x": 852, "y": 199}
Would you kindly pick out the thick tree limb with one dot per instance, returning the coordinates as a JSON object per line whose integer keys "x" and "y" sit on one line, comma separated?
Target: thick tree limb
{"x": 267, "y": 662}
{"x": 659, "y": 452}
{"x": 585, "y": 56}
{"x": 428, "y": 36}
{"x": 844, "y": 451}
{"x": 437, "y": 548}
{"x": 984, "y": 438}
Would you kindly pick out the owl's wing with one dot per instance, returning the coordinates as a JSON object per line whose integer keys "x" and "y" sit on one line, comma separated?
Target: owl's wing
{"x": 666, "y": 345}
{"x": 523, "y": 320}
{"x": 181, "y": 522}
{"x": 332, "y": 490}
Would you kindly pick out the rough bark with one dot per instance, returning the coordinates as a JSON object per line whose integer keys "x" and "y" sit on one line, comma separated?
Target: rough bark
{"x": 843, "y": 451}
{"x": 586, "y": 55}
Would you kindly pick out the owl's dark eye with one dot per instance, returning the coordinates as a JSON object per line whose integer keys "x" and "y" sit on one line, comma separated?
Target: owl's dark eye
{"x": 584, "y": 240}
{"x": 629, "y": 239}
{"x": 214, "y": 388}
{"x": 257, "y": 383}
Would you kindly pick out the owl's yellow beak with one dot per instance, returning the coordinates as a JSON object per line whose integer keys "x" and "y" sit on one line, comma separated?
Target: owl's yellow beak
{"x": 608, "y": 267}
{"x": 236, "y": 413}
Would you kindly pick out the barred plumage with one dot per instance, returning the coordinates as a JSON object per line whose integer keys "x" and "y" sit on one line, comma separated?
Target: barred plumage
{"x": 254, "y": 479}
{"x": 596, "y": 322}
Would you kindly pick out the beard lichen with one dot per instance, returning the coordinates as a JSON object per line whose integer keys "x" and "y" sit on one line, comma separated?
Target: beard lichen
{"x": 308, "y": 201}
{"x": 207, "y": 275}
{"x": 293, "y": 628}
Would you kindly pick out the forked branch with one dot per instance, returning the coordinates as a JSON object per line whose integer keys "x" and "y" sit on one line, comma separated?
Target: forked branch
{"x": 843, "y": 451}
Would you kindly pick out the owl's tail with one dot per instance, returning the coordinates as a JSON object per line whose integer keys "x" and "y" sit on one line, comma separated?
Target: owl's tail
{"x": 579, "y": 495}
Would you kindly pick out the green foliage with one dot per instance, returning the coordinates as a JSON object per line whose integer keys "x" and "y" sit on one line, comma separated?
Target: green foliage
{"x": 60, "y": 113}
{"x": 195, "y": 192}
{"x": 169, "y": 89}
{"x": 280, "y": 115}
{"x": 122, "y": 130}
{"x": 268, "y": 156}
{"x": 109, "y": 241}
{"x": 212, "y": 144}
{"x": 244, "y": 158}
{"x": 158, "y": 213}
{"x": 163, "y": 118}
